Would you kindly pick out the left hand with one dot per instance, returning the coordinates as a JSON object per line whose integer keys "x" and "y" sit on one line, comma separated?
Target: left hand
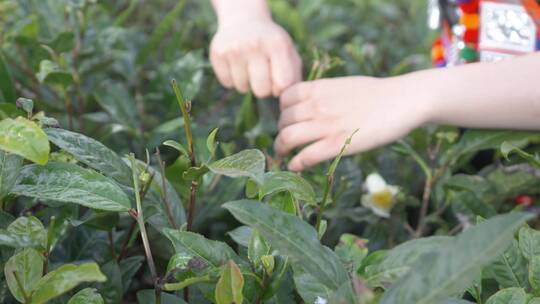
{"x": 324, "y": 113}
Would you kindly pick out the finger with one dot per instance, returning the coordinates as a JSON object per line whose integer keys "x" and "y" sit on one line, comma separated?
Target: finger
{"x": 299, "y": 134}
{"x": 275, "y": 90}
{"x": 239, "y": 75}
{"x": 317, "y": 152}
{"x": 297, "y": 93}
{"x": 295, "y": 114}
{"x": 259, "y": 75}
{"x": 284, "y": 64}
{"x": 222, "y": 70}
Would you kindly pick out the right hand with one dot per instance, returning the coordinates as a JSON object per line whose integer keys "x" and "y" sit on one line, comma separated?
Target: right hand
{"x": 255, "y": 53}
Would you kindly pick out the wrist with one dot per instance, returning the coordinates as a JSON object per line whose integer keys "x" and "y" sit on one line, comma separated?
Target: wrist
{"x": 237, "y": 11}
{"x": 420, "y": 91}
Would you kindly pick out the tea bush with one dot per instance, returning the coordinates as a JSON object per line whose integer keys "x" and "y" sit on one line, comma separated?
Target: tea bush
{"x": 118, "y": 185}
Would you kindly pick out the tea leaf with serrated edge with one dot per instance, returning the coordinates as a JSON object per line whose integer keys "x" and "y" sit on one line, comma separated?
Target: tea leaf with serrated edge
{"x": 69, "y": 183}
{"x": 449, "y": 270}
{"x": 294, "y": 238}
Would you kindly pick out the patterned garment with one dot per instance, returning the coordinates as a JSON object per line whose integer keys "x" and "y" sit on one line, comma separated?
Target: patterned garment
{"x": 483, "y": 30}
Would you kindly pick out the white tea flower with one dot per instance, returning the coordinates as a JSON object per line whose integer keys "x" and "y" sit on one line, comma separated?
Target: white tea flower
{"x": 320, "y": 300}
{"x": 380, "y": 197}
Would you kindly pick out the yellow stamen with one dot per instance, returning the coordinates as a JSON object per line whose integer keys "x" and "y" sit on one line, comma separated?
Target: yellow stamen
{"x": 383, "y": 199}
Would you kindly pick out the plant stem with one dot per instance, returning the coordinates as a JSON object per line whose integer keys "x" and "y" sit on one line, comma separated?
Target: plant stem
{"x": 142, "y": 227}
{"x": 69, "y": 108}
{"x": 192, "y": 199}
{"x": 187, "y": 120}
{"x": 431, "y": 179}
{"x": 49, "y": 244}
{"x": 327, "y": 189}
{"x": 330, "y": 180}
{"x": 164, "y": 196}
{"x": 189, "y": 135}
{"x": 27, "y": 299}
{"x": 423, "y": 210}
{"x": 111, "y": 243}
{"x": 123, "y": 251}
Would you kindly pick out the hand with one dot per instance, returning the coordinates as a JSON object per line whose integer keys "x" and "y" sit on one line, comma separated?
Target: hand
{"x": 326, "y": 112}
{"x": 256, "y": 53}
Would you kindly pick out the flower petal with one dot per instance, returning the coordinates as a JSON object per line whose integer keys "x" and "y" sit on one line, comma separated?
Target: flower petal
{"x": 367, "y": 200}
{"x": 375, "y": 183}
{"x": 380, "y": 212}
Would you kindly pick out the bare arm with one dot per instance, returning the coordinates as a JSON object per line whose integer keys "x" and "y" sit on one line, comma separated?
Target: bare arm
{"x": 504, "y": 94}
{"x": 324, "y": 113}
{"x": 228, "y": 10}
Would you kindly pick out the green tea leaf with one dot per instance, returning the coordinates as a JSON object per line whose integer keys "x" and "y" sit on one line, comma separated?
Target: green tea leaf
{"x": 213, "y": 253}
{"x": 91, "y": 153}
{"x": 65, "y": 278}
{"x": 211, "y": 144}
{"x": 64, "y": 42}
{"x": 509, "y": 296}
{"x": 352, "y": 250}
{"x": 450, "y": 269}
{"x": 284, "y": 202}
{"x": 309, "y": 286}
{"x": 294, "y": 238}
{"x": 510, "y": 269}
{"x": 26, "y": 104}
{"x": 7, "y": 86}
{"x": 248, "y": 163}
{"x": 257, "y": 248}
{"x": 230, "y": 285}
{"x": 9, "y": 110}
{"x": 241, "y": 235}
{"x": 70, "y": 183}
{"x": 269, "y": 263}
{"x": 160, "y": 31}
{"x": 534, "y": 273}
{"x": 24, "y": 232}
{"x": 187, "y": 282}
{"x": 51, "y": 73}
{"x": 247, "y": 116}
{"x": 399, "y": 260}
{"x": 406, "y": 149}
{"x": 300, "y": 189}
{"x": 86, "y": 296}
{"x": 177, "y": 146}
{"x": 25, "y": 138}
{"x": 26, "y": 267}
{"x": 475, "y": 140}
{"x": 335, "y": 162}
{"x": 195, "y": 173}
{"x": 99, "y": 220}
{"x": 111, "y": 290}
{"x": 508, "y": 148}
{"x": 10, "y": 166}
{"x": 5, "y": 219}
{"x": 529, "y": 242}
{"x": 129, "y": 268}
{"x": 116, "y": 100}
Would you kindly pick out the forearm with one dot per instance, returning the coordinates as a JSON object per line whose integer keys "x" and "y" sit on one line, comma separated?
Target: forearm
{"x": 231, "y": 10}
{"x": 504, "y": 94}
